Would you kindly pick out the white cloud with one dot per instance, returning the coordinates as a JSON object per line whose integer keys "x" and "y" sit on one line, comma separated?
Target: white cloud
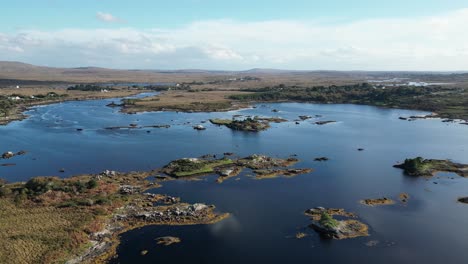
{"x": 107, "y": 17}
{"x": 420, "y": 43}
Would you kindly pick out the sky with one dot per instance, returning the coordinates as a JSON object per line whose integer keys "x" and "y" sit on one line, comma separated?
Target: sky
{"x": 237, "y": 35}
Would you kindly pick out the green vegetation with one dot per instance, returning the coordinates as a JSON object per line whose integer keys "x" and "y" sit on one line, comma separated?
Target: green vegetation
{"x": 5, "y": 106}
{"x": 221, "y": 122}
{"x": 89, "y": 88}
{"x": 416, "y": 166}
{"x": 327, "y": 221}
{"x": 447, "y": 102}
{"x": 39, "y": 185}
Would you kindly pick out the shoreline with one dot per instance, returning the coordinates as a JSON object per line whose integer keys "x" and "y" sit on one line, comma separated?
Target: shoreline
{"x": 101, "y": 251}
{"x": 107, "y": 205}
{"x": 18, "y": 112}
{"x": 98, "y": 208}
{"x": 203, "y": 106}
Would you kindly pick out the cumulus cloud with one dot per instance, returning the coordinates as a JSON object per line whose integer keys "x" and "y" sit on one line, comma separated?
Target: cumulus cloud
{"x": 106, "y": 17}
{"x": 419, "y": 43}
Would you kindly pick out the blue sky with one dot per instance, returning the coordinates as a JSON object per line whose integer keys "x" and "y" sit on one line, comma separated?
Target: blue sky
{"x": 56, "y": 14}
{"x": 295, "y": 34}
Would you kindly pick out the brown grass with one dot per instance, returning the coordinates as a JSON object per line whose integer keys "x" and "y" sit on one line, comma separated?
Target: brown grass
{"x": 38, "y": 234}
{"x": 187, "y": 101}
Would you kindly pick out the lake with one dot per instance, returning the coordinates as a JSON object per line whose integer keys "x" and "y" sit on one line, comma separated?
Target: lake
{"x": 266, "y": 214}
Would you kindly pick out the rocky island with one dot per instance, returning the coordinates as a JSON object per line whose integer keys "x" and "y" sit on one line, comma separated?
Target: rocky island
{"x": 248, "y": 124}
{"x": 429, "y": 167}
{"x": 262, "y": 166}
{"x": 194, "y": 166}
{"x": 377, "y": 202}
{"x": 328, "y": 227}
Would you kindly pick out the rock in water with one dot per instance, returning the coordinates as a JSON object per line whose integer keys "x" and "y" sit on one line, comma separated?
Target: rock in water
{"x": 167, "y": 240}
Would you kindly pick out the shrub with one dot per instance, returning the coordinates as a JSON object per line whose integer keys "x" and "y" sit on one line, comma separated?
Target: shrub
{"x": 91, "y": 184}
{"x": 4, "y": 191}
{"x": 68, "y": 204}
{"x": 80, "y": 186}
{"x": 37, "y": 186}
{"x": 102, "y": 200}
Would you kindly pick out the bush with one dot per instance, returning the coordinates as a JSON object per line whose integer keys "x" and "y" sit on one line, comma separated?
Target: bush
{"x": 102, "y": 200}
{"x": 80, "y": 186}
{"x": 91, "y": 184}
{"x": 67, "y": 204}
{"x": 4, "y": 191}
{"x": 184, "y": 165}
{"x": 38, "y": 186}
{"x": 413, "y": 165}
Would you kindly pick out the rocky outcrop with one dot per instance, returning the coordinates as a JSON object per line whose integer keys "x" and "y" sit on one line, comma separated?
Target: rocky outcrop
{"x": 10, "y": 154}
{"x": 167, "y": 240}
{"x": 257, "y": 162}
{"x": 320, "y": 123}
{"x": 274, "y": 173}
{"x": 328, "y": 227}
{"x": 175, "y": 214}
{"x": 377, "y": 202}
{"x": 321, "y": 159}
{"x": 463, "y": 200}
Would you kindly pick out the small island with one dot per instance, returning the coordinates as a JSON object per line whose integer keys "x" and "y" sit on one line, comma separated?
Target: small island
{"x": 168, "y": 240}
{"x": 377, "y": 202}
{"x": 248, "y": 124}
{"x": 329, "y": 227}
{"x": 429, "y": 167}
{"x": 262, "y": 166}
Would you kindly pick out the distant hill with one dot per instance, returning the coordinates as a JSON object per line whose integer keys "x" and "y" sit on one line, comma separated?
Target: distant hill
{"x": 22, "y": 71}
{"x": 11, "y": 71}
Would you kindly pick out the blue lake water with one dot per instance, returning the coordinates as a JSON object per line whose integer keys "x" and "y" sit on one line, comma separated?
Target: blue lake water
{"x": 266, "y": 214}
